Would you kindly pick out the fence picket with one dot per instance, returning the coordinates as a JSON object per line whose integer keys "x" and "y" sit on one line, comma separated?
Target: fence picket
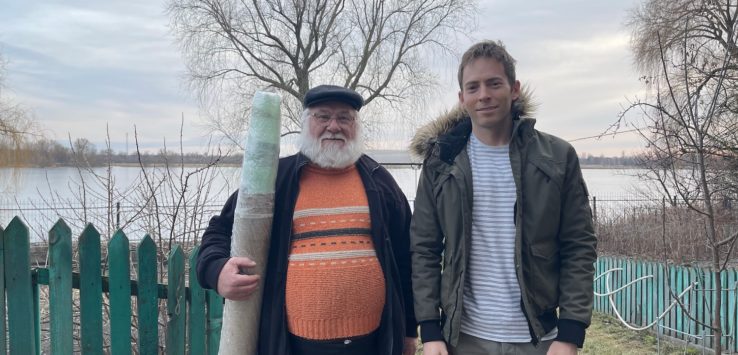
{"x": 710, "y": 304}
{"x": 147, "y": 300}
{"x": 196, "y": 314}
{"x": 18, "y": 289}
{"x": 119, "y": 269}
{"x": 724, "y": 309}
{"x": 215, "y": 320}
{"x": 60, "y": 289}
{"x": 3, "y": 339}
{"x": 650, "y": 292}
{"x": 176, "y": 305}
{"x": 689, "y": 322}
{"x": 90, "y": 291}
{"x": 731, "y": 315}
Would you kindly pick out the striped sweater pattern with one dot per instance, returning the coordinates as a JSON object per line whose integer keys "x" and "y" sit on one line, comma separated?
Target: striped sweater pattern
{"x": 335, "y": 285}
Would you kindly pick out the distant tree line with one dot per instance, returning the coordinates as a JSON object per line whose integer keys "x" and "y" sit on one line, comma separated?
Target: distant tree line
{"x": 47, "y": 153}
{"x": 81, "y": 152}
{"x": 601, "y": 160}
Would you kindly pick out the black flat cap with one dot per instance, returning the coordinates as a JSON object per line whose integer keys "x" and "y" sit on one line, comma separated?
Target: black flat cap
{"x": 325, "y": 93}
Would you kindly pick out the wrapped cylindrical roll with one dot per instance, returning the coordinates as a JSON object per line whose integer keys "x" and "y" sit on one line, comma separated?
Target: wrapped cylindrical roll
{"x": 252, "y": 221}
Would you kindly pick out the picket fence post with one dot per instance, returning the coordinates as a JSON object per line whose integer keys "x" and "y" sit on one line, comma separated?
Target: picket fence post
{"x": 18, "y": 288}
{"x": 148, "y": 302}
{"x": 119, "y": 271}
{"x": 60, "y": 288}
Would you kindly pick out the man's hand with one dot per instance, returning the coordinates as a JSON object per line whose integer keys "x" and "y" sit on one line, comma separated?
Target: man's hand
{"x": 411, "y": 345}
{"x": 233, "y": 283}
{"x": 435, "y": 348}
{"x": 562, "y": 348}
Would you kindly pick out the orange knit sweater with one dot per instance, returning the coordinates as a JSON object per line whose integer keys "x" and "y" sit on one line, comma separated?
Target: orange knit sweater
{"x": 335, "y": 285}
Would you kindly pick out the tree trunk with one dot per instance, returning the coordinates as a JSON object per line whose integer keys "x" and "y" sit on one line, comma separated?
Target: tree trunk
{"x": 252, "y": 221}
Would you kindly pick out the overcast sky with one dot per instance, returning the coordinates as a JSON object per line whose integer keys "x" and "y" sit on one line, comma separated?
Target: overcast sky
{"x": 80, "y": 66}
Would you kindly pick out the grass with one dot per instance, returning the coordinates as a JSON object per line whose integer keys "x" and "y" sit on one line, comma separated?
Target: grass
{"x": 607, "y": 336}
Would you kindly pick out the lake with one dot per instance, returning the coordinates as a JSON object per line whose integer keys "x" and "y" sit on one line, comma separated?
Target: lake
{"x": 41, "y": 195}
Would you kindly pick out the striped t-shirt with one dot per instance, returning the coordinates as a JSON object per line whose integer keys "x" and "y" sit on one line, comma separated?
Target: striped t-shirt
{"x": 491, "y": 291}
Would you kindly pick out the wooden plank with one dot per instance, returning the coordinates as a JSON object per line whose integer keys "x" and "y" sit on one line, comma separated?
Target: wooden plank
{"x": 215, "y": 320}
{"x": 60, "y": 289}
{"x": 679, "y": 314}
{"x": 3, "y": 329}
{"x": 723, "y": 310}
{"x": 617, "y": 282}
{"x": 650, "y": 292}
{"x": 662, "y": 296}
{"x": 731, "y": 316}
{"x": 732, "y": 321}
{"x": 689, "y": 301}
{"x": 119, "y": 266}
{"x": 90, "y": 291}
{"x": 628, "y": 310}
{"x": 673, "y": 291}
{"x": 176, "y": 303}
{"x": 639, "y": 293}
{"x": 700, "y": 302}
{"x": 710, "y": 300}
{"x": 611, "y": 286}
{"x": 601, "y": 301}
{"x": 147, "y": 302}
{"x": 18, "y": 289}
{"x": 196, "y": 315}
{"x": 36, "y": 317}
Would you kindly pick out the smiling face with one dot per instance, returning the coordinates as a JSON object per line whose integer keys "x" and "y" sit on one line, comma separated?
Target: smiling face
{"x": 333, "y": 123}
{"x": 331, "y": 135}
{"x": 487, "y": 96}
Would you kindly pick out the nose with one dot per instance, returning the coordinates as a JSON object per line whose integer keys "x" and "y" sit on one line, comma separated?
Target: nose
{"x": 333, "y": 126}
{"x": 484, "y": 93}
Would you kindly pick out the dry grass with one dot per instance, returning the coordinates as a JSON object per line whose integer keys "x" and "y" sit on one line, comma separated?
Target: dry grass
{"x": 607, "y": 336}
{"x": 654, "y": 232}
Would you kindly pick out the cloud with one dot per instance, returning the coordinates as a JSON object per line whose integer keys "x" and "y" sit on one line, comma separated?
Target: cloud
{"x": 86, "y": 64}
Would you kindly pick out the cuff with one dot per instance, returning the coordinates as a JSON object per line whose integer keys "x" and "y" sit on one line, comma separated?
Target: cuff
{"x": 212, "y": 272}
{"x": 411, "y": 329}
{"x": 430, "y": 330}
{"x": 571, "y": 331}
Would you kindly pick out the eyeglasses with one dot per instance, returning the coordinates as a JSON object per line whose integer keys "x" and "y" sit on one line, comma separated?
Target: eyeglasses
{"x": 343, "y": 119}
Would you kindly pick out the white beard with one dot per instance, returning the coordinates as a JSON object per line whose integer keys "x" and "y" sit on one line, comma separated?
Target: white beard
{"x": 332, "y": 156}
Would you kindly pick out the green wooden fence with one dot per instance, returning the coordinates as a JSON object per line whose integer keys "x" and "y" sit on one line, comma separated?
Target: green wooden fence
{"x": 644, "y": 301}
{"x": 193, "y": 315}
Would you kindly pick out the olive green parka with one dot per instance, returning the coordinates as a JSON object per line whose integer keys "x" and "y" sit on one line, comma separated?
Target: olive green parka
{"x": 554, "y": 236}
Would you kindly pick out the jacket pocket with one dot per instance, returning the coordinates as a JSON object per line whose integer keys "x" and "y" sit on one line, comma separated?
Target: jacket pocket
{"x": 549, "y": 171}
{"x": 544, "y": 275}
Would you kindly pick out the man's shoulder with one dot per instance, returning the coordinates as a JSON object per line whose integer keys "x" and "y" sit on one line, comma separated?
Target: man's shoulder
{"x": 554, "y": 144}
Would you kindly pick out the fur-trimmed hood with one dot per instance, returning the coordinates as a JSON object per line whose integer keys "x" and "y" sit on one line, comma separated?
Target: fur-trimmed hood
{"x": 427, "y": 135}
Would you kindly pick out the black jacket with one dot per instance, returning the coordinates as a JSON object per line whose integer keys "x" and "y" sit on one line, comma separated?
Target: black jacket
{"x": 390, "y": 215}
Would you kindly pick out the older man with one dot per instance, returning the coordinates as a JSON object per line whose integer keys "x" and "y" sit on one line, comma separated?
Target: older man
{"x": 337, "y": 279}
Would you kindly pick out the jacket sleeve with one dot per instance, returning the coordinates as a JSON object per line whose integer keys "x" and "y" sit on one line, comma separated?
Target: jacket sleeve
{"x": 577, "y": 247}
{"x": 426, "y": 246}
{"x": 215, "y": 248}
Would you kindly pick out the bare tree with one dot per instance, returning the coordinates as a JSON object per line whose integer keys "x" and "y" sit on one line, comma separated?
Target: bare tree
{"x": 380, "y": 48}
{"x": 688, "y": 54}
{"x": 15, "y": 121}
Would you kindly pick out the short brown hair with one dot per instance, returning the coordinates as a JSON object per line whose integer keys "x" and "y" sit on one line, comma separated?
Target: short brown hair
{"x": 488, "y": 49}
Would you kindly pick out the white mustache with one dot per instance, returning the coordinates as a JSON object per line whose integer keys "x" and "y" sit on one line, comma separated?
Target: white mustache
{"x": 333, "y": 136}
